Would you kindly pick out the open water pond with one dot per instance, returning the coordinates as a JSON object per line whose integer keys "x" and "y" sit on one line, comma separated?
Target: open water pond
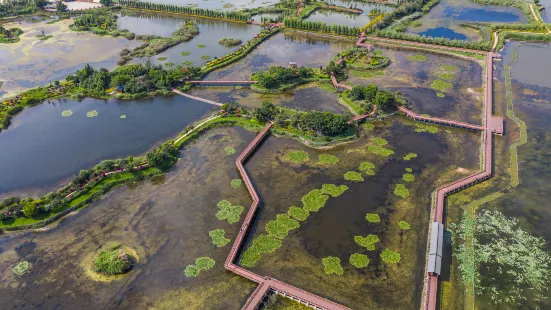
{"x": 43, "y": 148}
{"x": 190, "y": 52}
{"x": 441, "y": 158}
{"x": 281, "y": 49}
{"x": 445, "y": 19}
{"x": 228, "y": 5}
{"x": 546, "y": 13}
{"x": 352, "y": 20}
{"x": 32, "y": 62}
{"x": 166, "y": 223}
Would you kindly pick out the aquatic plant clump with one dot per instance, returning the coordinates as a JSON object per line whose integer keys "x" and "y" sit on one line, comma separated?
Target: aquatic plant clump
{"x": 92, "y": 113}
{"x": 280, "y": 227}
{"x": 201, "y": 45}
{"x": 184, "y": 53}
{"x": 367, "y": 242}
{"x": 359, "y": 260}
{"x": 425, "y": 128}
{"x": 205, "y": 57}
{"x": 441, "y": 86}
{"x": 373, "y": 217}
{"x": 441, "y": 95}
{"x": 390, "y": 257}
{"x": 229, "y": 212}
{"x": 21, "y": 268}
{"x": 447, "y": 76}
{"x": 260, "y": 245}
{"x": 410, "y": 156}
{"x": 298, "y": 156}
{"x": 333, "y": 190}
{"x": 67, "y": 113}
{"x": 122, "y": 116}
{"x": 191, "y": 271}
{"x": 236, "y": 183}
{"x": 112, "y": 262}
{"x": 217, "y": 237}
{"x": 314, "y": 200}
{"x": 163, "y": 58}
{"x": 328, "y": 159}
{"x": 447, "y": 67}
{"x": 379, "y": 150}
{"x": 401, "y": 191}
{"x": 229, "y": 42}
{"x": 332, "y": 265}
{"x": 404, "y": 225}
{"x": 201, "y": 263}
{"x": 298, "y": 214}
{"x": 367, "y": 168}
{"x": 379, "y": 141}
{"x": 229, "y": 150}
{"x": 409, "y": 170}
{"x": 353, "y": 176}
{"x": 408, "y": 177}
{"x": 417, "y": 58}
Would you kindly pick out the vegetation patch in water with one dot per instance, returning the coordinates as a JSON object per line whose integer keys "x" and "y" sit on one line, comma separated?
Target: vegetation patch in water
{"x": 417, "y": 58}
{"x": 260, "y": 245}
{"x": 236, "y": 183}
{"x": 353, "y": 176}
{"x": 228, "y": 212}
{"x": 201, "y": 263}
{"x": 367, "y": 168}
{"x": 169, "y": 64}
{"x": 162, "y": 58}
{"x": 184, "y": 53}
{"x": 298, "y": 214}
{"x": 390, "y": 257}
{"x": 333, "y": 190}
{"x": 447, "y": 76}
{"x": 113, "y": 262}
{"x": 425, "y": 128}
{"x": 447, "y": 67}
{"x": 379, "y": 141}
{"x": 67, "y": 113}
{"x": 401, "y": 191}
{"x": 410, "y": 156}
{"x": 367, "y": 242}
{"x": 21, "y": 268}
{"x": 229, "y": 42}
{"x": 332, "y": 265}
{"x": 217, "y": 237}
{"x": 201, "y": 45}
{"x": 441, "y": 95}
{"x": 409, "y": 170}
{"x": 379, "y": 150}
{"x": 280, "y": 227}
{"x": 187, "y": 63}
{"x": 359, "y": 260}
{"x": 408, "y": 177}
{"x": 92, "y": 113}
{"x": 298, "y": 156}
{"x": 314, "y": 200}
{"x": 205, "y": 57}
{"x": 123, "y": 116}
{"x": 441, "y": 86}
{"x": 328, "y": 159}
{"x": 229, "y": 150}
{"x": 404, "y": 225}
{"x": 373, "y": 217}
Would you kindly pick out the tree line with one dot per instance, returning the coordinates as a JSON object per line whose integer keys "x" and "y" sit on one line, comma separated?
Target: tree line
{"x": 19, "y": 7}
{"x": 297, "y": 23}
{"x": 185, "y": 10}
{"x": 478, "y": 45}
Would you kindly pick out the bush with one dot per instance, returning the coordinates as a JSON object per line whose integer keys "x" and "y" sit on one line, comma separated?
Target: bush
{"x": 30, "y": 209}
{"x": 113, "y": 262}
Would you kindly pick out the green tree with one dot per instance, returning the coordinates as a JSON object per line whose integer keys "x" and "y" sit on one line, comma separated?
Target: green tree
{"x": 30, "y": 209}
{"x": 60, "y": 6}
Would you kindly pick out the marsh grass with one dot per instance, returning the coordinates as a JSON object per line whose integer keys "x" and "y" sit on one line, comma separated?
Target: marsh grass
{"x": 112, "y": 262}
{"x": 379, "y": 150}
{"x": 410, "y": 156}
{"x": 441, "y": 86}
{"x": 359, "y": 260}
{"x": 417, "y": 58}
{"x": 328, "y": 159}
{"x": 201, "y": 263}
{"x": 93, "y": 113}
{"x": 218, "y": 238}
{"x": 236, "y": 183}
{"x": 353, "y": 176}
{"x": 404, "y": 225}
{"x": 298, "y": 214}
{"x": 367, "y": 242}
{"x": 298, "y": 156}
{"x": 260, "y": 245}
{"x": 229, "y": 212}
{"x": 401, "y": 191}
{"x": 280, "y": 227}
{"x": 333, "y": 190}
{"x": 21, "y": 268}
{"x": 67, "y": 113}
{"x": 373, "y": 217}
{"x": 390, "y": 257}
{"x": 229, "y": 150}
{"x": 332, "y": 265}
{"x": 408, "y": 177}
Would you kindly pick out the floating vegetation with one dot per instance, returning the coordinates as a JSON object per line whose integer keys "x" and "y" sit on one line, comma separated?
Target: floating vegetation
{"x": 123, "y": 116}
{"x": 404, "y": 225}
{"x": 201, "y": 263}
{"x": 367, "y": 74}
{"x": 367, "y": 242}
{"x": 236, "y": 183}
{"x": 67, "y": 113}
{"x": 21, "y": 268}
{"x": 92, "y": 113}
{"x": 227, "y": 6}
{"x": 298, "y": 213}
{"x": 379, "y": 141}
{"x": 447, "y": 67}
{"x": 401, "y": 191}
{"x": 169, "y": 64}
{"x": 408, "y": 177}
{"x": 217, "y": 237}
{"x": 328, "y": 159}
{"x": 441, "y": 95}
{"x": 187, "y": 63}
{"x": 298, "y": 156}
{"x": 373, "y": 217}
{"x": 447, "y": 76}
{"x": 162, "y": 58}
{"x": 314, "y": 200}
{"x": 359, "y": 260}
{"x": 333, "y": 190}
{"x": 410, "y": 156}
{"x": 425, "y": 128}
{"x": 260, "y": 245}
{"x": 367, "y": 167}
{"x": 205, "y": 57}
{"x": 409, "y": 169}
{"x": 418, "y": 58}
{"x": 184, "y": 53}
{"x": 229, "y": 150}
{"x": 390, "y": 257}
{"x": 280, "y": 227}
{"x": 441, "y": 86}
{"x": 353, "y": 176}
{"x": 229, "y": 212}
{"x": 201, "y": 45}
{"x": 379, "y": 150}
{"x": 332, "y": 264}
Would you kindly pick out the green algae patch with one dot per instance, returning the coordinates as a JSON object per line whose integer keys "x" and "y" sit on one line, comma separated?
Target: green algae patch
{"x": 314, "y": 200}
{"x": 236, "y": 183}
{"x": 298, "y": 214}
{"x": 122, "y": 116}
{"x": 409, "y": 169}
{"x": 447, "y": 67}
{"x": 417, "y": 58}
{"x": 21, "y": 268}
{"x": 298, "y": 156}
{"x": 367, "y": 242}
{"x": 332, "y": 265}
{"x": 184, "y": 53}
{"x": 201, "y": 263}
{"x": 67, "y": 113}
{"x": 390, "y": 257}
{"x": 446, "y": 76}
{"x": 229, "y": 212}
{"x": 328, "y": 159}
{"x": 218, "y": 238}
{"x": 353, "y": 176}
{"x": 401, "y": 191}
{"x": 93, "y": 113}
{"x": 162, "y": 58}
{"x": 425, "y": 128}
{"x": 373, "y": 217}
{"x": 201, "y": 45}
{"x": 260, "y": 245}
{"x": 410, "y": 156}
{"x": 280, "y": 227}
{"x": 379, "y": 150}
{"x": 441, "y": 95}
{"x": 379, "y": 141}
{"x": 408, "y": 177}
{"x": 404, "y": 225}
{"x": 441, "y": 86}
{"x": 359, "y": 260}
{"x": 229, "y": 150}
{"x": 333, "y": 190}
{"x": 367, "y": 168}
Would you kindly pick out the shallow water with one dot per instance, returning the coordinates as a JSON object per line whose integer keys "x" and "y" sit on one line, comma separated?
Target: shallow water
{"x": 231, "y": 5}
{"x": 443, "y": 32}
{"x": 42, "y": 148}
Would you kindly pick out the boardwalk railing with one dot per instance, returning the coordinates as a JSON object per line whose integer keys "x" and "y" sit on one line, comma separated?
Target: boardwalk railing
{"x": 440, "y": 121}
{"x": 337, "y": 85}
{"x": 196, "y": 98}
{"x": 221, "y": 83}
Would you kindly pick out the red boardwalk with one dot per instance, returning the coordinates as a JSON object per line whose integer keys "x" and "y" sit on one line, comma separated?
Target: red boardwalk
{"x": 440, "y": 121}
{"x": 220, "y": 82}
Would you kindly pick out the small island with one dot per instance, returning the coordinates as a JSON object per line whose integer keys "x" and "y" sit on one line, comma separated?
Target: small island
{"x": 9, "y": 35}
{"x": 229, "y": 42}
{"x": 278, "y": 78}
{"x": 115, "y": 261}
{"x": 364, "y": 59}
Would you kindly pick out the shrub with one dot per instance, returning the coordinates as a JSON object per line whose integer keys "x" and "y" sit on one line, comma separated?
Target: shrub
{"x": 298, "y": 213}
{"x": 373, "y": 217}
{"x": 328, "y": 159}
{"x": 401, "y": 191}
{"x": 280, "y": 227}
{"x": 236, "y": 183}
{"x": 298, "y": 156}
{"x": 390, "y": 257}
{"x": 113, "y": 262}
{"x": 333, "y": 190}
{"x": 218, "y": 238}
{"x": 229, "y": 42}
{"x": 332, "y": 264}
{"x": 353, "y": 176}
{"x": 404, "y": 225}
{"x": 30, "y": 209}
{"x": 359, "y": 260}
{"x": 367, "y": 242}
{"x": 21, "y": 268}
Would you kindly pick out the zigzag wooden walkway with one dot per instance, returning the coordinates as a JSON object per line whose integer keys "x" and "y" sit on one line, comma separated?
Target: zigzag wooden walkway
{"x": 440, "y": 121}
{"x": 196, "y": 98}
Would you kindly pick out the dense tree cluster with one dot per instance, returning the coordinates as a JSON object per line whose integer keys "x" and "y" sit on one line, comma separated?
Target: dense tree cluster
{"x": 184, "y": 9}
{"x": 101, "y": 22}
{"x": 297, "y": 23}
{"x": 277, "y": 75}
{"x": 9, "y": 35}
{"x": 371, "y": 95}
{"x": 18, "y": 7}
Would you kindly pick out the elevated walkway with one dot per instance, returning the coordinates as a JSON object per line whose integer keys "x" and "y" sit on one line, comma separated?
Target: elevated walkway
{"x": 196, "y": 98}
{"x": 440, "y": 121}
{"x": 221, "y": 82}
